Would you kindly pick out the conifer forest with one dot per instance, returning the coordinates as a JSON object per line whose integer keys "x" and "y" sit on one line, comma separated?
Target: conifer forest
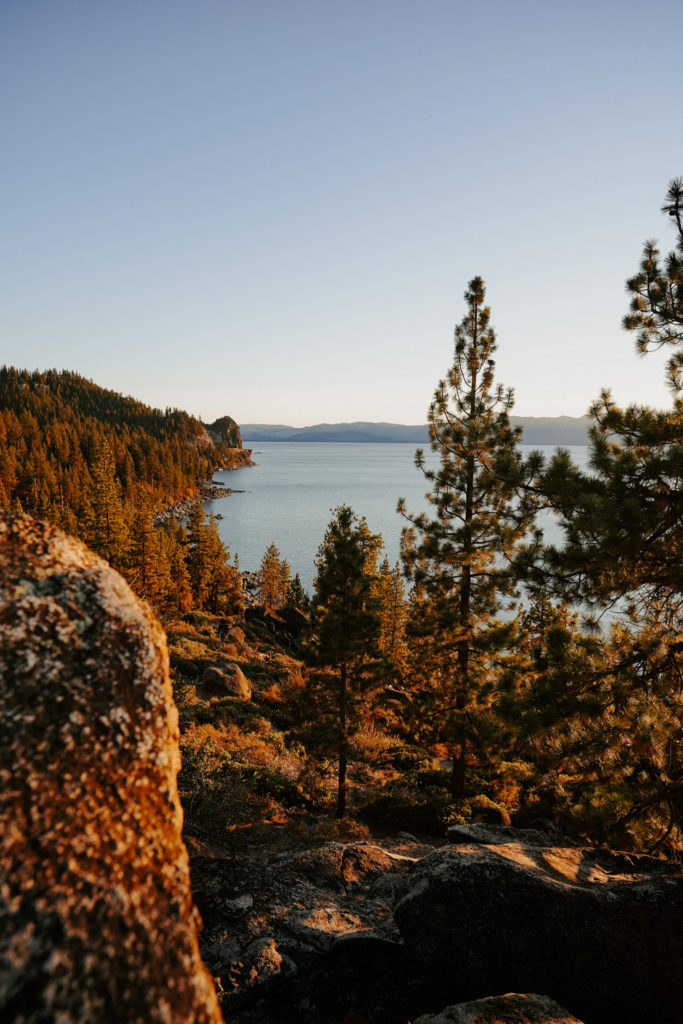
{"x": 489, "y": 676}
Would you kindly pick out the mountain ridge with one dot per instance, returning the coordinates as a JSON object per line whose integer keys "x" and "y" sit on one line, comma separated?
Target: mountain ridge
{"x": 543, "y": 430}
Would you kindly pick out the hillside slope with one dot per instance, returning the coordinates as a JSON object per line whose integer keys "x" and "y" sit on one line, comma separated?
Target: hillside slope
{"x": 55, "y": 427}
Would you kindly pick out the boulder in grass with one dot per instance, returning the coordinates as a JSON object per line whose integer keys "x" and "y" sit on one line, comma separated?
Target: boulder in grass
{"x": 225, "y": 680}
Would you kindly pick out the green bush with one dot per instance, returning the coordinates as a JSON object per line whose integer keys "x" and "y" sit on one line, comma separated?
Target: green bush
{"x": 201, "y": 619}
{"x": 428, "y": 811}
{"x": 486, "y": 810}
{"x": 407, "y": 759}
{"x": 428, "y": 778}
{"x": 268, "y": 782}
{"x": 183, "y": 666}
{"x": 223, "y": 711}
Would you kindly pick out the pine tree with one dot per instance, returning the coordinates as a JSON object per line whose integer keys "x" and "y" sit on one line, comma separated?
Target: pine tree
{"x": 346, "y": 621}
{"x": 392, "y": 639}
{"x": 107, "y": 530}
{"x": 296, "y": 595}
{"x": 177, "y": 596}
{"x": 542, "y": 705}
{"x": 459, "y": 557}
{"x": 623, "y": 550}
{"x": 216, "y": 585}
{"x": 148, "y": 569}
{"x": 656, "y": 313}
{"x": 197, "y": 555}
{"x": 274, "y": 579}
{"x": 285, "y": 581}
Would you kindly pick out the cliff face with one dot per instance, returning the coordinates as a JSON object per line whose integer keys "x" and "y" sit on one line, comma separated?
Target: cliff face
{"x": 225, "y": 431}
{"x": 96, "y": 918}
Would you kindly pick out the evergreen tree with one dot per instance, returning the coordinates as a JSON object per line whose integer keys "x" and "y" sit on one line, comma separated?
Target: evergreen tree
{"x": 345, "y": 621}
{"x": 149, "y": 569}
{"x": 543, "y": 709}
{"x": 275, "y": 574}
{"x": 89, "y": 459}
{"x": 459, "y": 557}
{"x": 285, "y": 581}
{"x": 216, "y": 585}
{"x": 296, "y": 595}
{"x": 623, "y": 550}
{"x": 623, "y": 521}
{"x": 656, "y": 313}
{"x": 177, "y": 596}
{"x": 197, "y": 553}
{"x": 107, "y": 529}
{"x": 394, "y": 604}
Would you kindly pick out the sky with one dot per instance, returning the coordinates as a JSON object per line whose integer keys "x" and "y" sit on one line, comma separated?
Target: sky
{"x": 271, "y": 210}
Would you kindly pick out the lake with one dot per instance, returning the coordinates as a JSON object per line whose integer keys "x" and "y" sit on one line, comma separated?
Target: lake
{"x": 290, "y": 493}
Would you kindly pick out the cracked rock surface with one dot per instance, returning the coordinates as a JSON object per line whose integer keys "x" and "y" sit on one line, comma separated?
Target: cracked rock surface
{"x": 269, "y": 920}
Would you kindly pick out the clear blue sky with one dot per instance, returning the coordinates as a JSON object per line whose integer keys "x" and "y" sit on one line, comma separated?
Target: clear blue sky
{"x": 272, "y": 209}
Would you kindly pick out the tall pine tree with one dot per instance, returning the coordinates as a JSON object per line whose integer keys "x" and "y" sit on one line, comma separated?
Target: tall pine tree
{"x": 345, "y": 622}
{"x": 458, "y": 555}
{"x": 623, "y": 551}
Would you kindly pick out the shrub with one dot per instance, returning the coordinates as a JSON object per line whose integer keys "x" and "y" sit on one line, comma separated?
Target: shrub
{"x": 343, "y": 830}
{"x": 407, "y": 758}
{"x": 270, "y": 782}
{"x": 486, "y": 810}
{"x": 429, "y": 812}
{"x": 183, "y": 666}
{"x": 371, "y": 746}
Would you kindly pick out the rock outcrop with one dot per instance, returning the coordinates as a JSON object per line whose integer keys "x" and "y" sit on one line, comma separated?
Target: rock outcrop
{"x": 513, "y": 1008}
{"x": 96, "y": 918}
{"x": 225, "y": 431}
{"x": 509, "y": 911}
{"x": 384, "y": 932}
{"x": 225, "y": 680}
{"x": 302, "y": 936}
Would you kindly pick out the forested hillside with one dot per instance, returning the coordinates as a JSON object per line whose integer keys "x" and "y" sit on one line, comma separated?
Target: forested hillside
{"x": 101, "y": 465}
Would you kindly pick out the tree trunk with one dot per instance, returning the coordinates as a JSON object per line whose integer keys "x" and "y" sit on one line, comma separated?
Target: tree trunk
{"x": 341, "y": 783}
{"x": 459, "y": 769}
{"x": 458, "y": 776}
{"x": 459, "y": 773}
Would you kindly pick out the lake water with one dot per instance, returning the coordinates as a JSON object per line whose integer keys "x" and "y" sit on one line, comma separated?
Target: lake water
{"x": 290, "y": 493}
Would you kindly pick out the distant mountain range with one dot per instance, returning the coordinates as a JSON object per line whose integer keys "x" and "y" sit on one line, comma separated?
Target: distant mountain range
{"x": 552, "y": 430}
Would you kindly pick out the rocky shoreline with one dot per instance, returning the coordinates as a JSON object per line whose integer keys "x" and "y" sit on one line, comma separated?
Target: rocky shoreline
{"x": 181, "y": 509}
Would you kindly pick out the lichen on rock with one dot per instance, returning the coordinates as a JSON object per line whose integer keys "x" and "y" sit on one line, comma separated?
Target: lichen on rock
{"x": 96, "y": 917}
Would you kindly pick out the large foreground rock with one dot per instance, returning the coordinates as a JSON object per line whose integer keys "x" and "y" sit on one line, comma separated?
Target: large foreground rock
{"x": 96, "y": 920}
{"x": 602, "y": 933}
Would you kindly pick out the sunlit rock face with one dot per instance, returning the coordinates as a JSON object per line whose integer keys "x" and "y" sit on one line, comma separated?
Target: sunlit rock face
{"x": 510, "y": 909}
{"x": 96, "y": 918}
